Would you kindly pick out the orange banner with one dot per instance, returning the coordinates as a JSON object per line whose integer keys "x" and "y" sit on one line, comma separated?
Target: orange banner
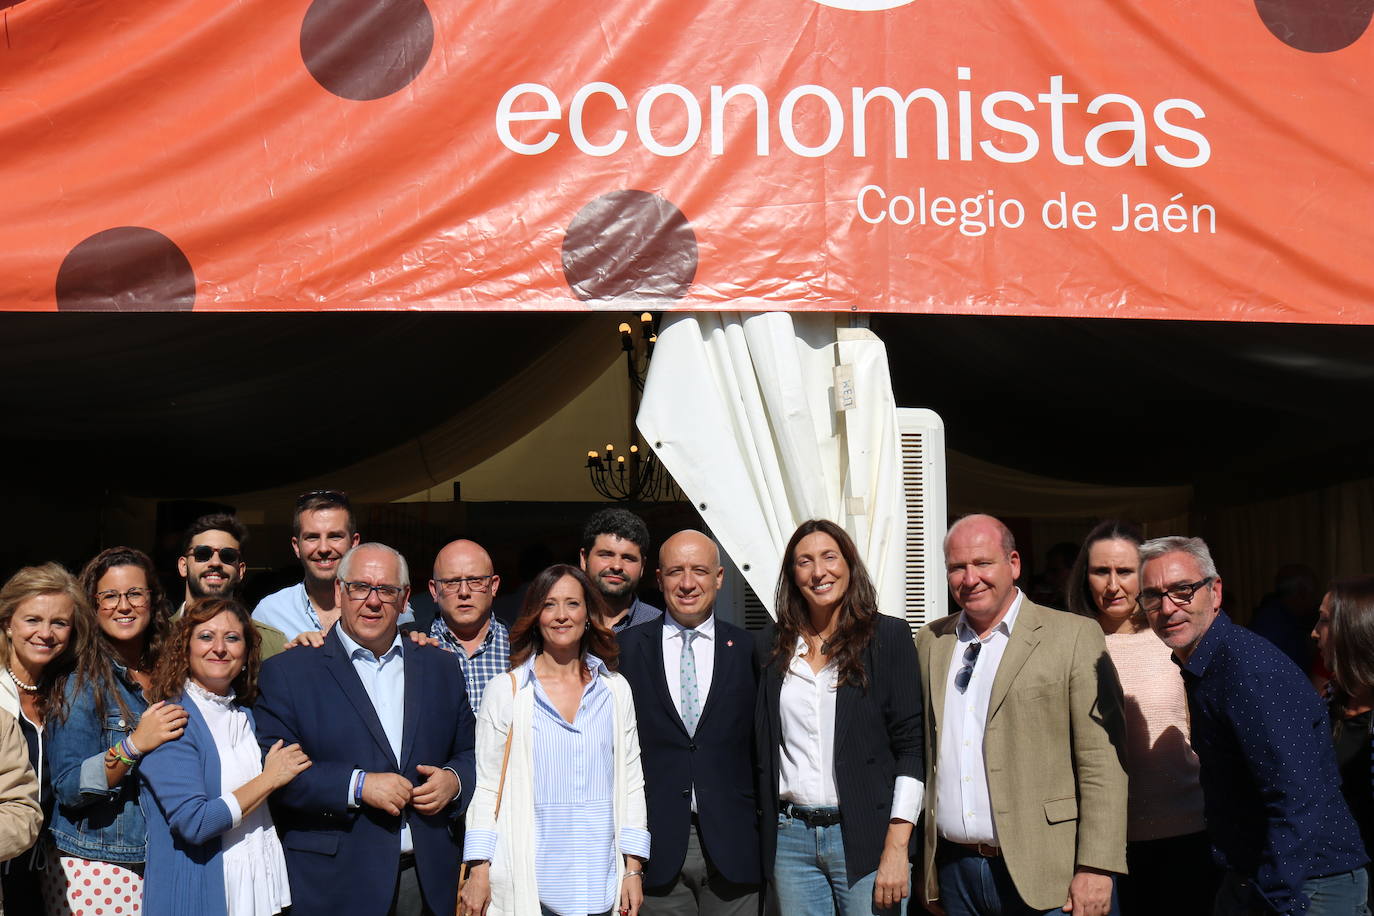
{"x": 1166, "y": 160}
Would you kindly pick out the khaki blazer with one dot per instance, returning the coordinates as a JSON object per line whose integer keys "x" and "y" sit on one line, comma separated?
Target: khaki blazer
{"x": 20, "y": 816}
{"x": 1053, "y": 745}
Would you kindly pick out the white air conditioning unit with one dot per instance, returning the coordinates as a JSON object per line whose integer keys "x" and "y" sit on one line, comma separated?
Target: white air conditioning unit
{"x": 922, "y": 436}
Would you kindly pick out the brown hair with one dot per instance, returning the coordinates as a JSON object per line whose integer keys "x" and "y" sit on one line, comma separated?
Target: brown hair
{"x": 1351, "y": 642}
{"x": 858, "y": 612}
{"x": 95, "y": 656}
{"x": 1079, "y": 594}
{"x": 597, "y": 639}
{"x": 174, "y": 667}
{"x": 33, "y": 582}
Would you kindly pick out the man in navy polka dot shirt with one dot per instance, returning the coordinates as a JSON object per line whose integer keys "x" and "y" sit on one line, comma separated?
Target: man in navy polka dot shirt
{"x": 1274, "y": 810}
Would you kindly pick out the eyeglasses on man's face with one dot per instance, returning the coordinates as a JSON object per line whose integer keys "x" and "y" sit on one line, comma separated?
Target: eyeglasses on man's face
{"x": 1181, "y": 594}
{"x": 361, "y": 591}
{"x": 479, "y": 584}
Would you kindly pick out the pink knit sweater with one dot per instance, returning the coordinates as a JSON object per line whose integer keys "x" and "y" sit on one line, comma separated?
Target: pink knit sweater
{"x": 1165, "y": 797}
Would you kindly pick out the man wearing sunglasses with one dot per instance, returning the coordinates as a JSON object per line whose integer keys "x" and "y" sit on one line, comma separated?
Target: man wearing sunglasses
{"x": 1025, "y": 806}
{"x": 211, "y": 563}
{"x": 464, "y": 586}
{"x": 1270, "y": 787}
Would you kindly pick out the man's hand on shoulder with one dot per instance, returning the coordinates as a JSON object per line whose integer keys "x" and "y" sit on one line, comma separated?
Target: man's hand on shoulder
{"x": 422, "y": 639}
{"x": 312, "y": 638}
{"x": 1090, "y": 892}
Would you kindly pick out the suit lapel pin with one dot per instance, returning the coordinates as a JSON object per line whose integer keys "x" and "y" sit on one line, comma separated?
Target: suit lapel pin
{"x": 729, "y": 643}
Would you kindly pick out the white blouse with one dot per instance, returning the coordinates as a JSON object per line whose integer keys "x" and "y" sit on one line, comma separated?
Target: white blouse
{"x": 255, "y": 880}
{"x": 806, "y": 764}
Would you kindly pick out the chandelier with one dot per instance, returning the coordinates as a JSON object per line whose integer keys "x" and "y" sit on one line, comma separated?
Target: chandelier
{"x": 637, "y": 476}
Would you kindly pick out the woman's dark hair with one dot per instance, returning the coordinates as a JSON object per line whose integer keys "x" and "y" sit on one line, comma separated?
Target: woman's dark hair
{"x": 174, "y": 667}
{"x": 34, "y": 582}
{"x": 94, "y": 655}
{"x": 526, "y": 639}
{"x": 1079, "y": 594}
{"x": 858, "y": 611}
{"x": 1351, "y": 641}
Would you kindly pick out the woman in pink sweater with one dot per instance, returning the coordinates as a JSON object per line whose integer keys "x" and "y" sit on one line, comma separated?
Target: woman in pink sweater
{"x": 1167, "y": 850}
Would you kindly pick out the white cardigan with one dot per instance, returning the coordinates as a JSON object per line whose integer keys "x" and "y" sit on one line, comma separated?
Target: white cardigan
{"x": 514, "y": 885}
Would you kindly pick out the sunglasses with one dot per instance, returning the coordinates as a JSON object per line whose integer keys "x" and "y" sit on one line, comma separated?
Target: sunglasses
{"x": 204, "y": 552}
{"x": 337, "y": 497}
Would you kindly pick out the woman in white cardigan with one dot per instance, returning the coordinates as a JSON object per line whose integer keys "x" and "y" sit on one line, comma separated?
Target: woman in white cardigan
{"x": 571, "y": 835}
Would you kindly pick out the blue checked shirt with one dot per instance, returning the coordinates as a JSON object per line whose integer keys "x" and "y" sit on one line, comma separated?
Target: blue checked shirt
{"x": 491, "y": 658}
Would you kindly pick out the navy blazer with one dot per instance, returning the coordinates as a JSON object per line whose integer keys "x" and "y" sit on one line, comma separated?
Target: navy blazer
{"x": 878, "y": 737}
{"x": 718, "y": 760}
{"x": 346, "y": 860}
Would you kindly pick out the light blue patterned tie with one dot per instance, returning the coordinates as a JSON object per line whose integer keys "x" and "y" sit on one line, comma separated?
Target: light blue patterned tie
{"x": 687, "y": 670}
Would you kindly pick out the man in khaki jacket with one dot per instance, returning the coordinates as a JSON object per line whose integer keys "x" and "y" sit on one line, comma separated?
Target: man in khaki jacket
{"x": 20, "y": 816}
{"x": 1025, "y": 808}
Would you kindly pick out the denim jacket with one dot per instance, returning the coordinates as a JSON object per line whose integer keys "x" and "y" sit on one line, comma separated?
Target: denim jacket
{"x": 92, "y": 820}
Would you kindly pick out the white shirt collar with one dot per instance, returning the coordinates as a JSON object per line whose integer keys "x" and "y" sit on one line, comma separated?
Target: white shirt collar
{"x": 674, "y": 630}
{"x": 966, "y": 633}
{"x": 352, "y": 648}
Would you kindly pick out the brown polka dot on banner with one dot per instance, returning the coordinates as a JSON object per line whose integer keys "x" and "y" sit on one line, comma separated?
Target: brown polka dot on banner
{"x": 127, "y": 269}
{"x": 629, "y": 245}
{"x": 1317, "y": 26}
{"x": 366, "y": 49}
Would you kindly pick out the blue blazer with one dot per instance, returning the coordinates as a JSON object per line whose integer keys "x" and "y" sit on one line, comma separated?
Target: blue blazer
{"x": 181, "y": 802}
{"x": 718, "y": 760}
{"x": 342, "y": 859}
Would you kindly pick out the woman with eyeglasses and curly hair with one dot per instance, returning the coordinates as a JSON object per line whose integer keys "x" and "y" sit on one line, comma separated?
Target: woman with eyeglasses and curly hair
{"x": 99, "y": 727}
{"x": 212, "y": 848}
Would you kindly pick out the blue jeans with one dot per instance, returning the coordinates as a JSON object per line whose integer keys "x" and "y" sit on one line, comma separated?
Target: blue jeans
{"x": 1335, "y": 895}
{"x": 809, "y": 876}
{"x": 972, "y": 885}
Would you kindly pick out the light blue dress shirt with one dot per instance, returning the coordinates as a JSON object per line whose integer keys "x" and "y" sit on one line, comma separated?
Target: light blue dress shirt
{"x": 384, "y": 679}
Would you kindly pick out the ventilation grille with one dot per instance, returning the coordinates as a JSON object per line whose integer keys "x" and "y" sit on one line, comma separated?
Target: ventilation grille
{"x": 923, "y": 486}
{"x": 756, "y": 616}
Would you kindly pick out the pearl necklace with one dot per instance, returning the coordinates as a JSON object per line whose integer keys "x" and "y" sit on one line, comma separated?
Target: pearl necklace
{"x": 27, "y": 688}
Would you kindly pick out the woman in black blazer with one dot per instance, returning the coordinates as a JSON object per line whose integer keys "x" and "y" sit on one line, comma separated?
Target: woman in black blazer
{"x": 839, "y": 735}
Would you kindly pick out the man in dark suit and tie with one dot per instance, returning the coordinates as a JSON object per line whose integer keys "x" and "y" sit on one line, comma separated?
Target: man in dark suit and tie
{"x": 694, "y": 679}
{"x": 370, "y": 829}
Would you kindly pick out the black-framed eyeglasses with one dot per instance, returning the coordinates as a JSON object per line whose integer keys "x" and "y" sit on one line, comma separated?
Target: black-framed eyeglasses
{"x": 202, "y": 553}
{"x": 965, "y": 674}
{"x": 1152, "y": 599}
{"x": 109, "y": 599}
{"x": 479, "y": 584}
{"x": 338, "y": 497}
{"x": 361, "y": 591}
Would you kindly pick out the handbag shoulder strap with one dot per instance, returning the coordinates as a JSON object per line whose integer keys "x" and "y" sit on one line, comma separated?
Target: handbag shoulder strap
{"x": 505, "y": 757}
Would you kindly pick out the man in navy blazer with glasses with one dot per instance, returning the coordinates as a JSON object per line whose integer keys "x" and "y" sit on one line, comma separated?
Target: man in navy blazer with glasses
{"x": 371, "y": 827}
{"x": 694, "y": 679}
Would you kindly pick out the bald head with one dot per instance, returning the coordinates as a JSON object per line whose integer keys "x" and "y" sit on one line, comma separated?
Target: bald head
{"x": 986, "y": 524}
{"x": 464, "y": 586}
{"x": 689, "y": 575}
{"x": 982, "y": 565}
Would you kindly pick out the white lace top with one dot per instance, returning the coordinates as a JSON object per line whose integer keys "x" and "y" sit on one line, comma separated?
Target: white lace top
{"x": 254, "y": 865}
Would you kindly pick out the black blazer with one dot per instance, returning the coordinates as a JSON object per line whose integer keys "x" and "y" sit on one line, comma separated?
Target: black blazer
{"x": 878, "y": 737}
{"x": 718, "y": 760}
{"x": 344, "y": 859}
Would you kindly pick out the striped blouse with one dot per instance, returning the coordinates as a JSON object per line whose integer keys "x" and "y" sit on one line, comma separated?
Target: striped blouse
{"x": 574, "y": 780}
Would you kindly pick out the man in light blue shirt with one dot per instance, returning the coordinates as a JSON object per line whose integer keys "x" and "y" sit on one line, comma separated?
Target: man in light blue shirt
{"x": 322, "y": 531}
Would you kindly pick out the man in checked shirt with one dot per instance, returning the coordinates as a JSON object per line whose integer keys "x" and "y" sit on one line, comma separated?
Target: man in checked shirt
{"x": 464, "y": 586}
